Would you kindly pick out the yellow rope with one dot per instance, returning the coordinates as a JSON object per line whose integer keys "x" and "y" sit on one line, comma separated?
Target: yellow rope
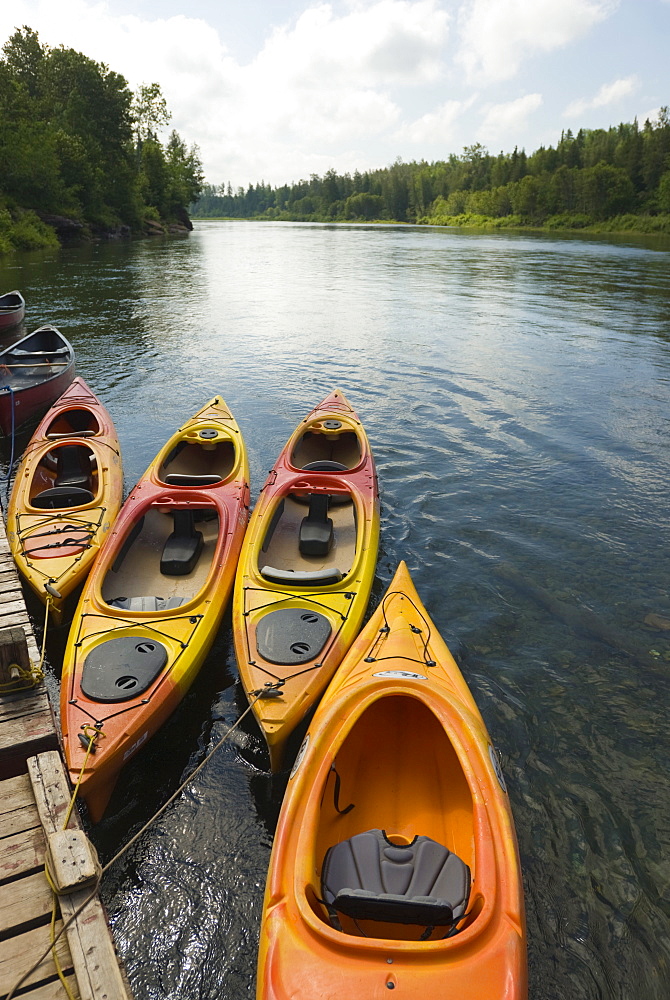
{"x": 132, "y": 840}
{"x": 92, "y": 732}
{"x": 53, "y": 936}
{"x": 35, "y": 675}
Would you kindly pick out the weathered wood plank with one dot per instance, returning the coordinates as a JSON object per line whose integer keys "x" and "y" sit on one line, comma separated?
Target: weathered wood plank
{"x": 22, "y": 736}
{"x": 93, "y": 954}
{"x": 53, "y": 991}
{"x": 18, "y": 811}
{"x": 25, "y": 901}
{"x": 17, "y": 954}
{"x": 27, "y": 727}
{"x": 22, "y": 702}
{"x": 21, "y": 853}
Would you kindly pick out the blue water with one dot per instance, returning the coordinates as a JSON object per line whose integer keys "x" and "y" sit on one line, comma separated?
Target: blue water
{"x": 516, "y": 391}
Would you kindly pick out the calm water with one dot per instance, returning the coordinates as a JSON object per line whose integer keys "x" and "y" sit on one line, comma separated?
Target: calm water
{"x": 516, "y": 391}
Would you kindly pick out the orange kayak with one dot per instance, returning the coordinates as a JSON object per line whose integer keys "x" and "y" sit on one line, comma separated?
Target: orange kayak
{"x": 306, "y": 568}
{"x": 395, "y": 864}
{"x": 154, "y": 600}
{"x": 66, "y": 495}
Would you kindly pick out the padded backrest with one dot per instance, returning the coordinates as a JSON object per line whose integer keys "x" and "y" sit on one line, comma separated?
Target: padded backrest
{"x": 73, "y": 466}
{"x": 183, "y": 547}
{"x": 370, "y": 878}
{"x": 316, "y": 530}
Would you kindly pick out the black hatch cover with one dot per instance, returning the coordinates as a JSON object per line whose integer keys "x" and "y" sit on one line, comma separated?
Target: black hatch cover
{"x": 120, "y": 669}
{"x": 292, "y": 635}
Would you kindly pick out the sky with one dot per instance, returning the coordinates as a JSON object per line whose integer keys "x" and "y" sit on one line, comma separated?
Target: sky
{"x": 277, "y": 90}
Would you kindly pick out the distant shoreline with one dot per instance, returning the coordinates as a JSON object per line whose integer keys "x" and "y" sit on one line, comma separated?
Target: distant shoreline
{"x": 627, "y": 225}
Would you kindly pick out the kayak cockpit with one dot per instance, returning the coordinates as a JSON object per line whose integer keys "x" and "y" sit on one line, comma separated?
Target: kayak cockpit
{"x": 395, "y": 828}
{"x": 66, "y": 476}
{"x": 327, "y": 446}
{"x": 75, "y": 422}
{"x": 205, "y": 457}
{"x": 164, "y": 560}
{"x": 311, "y": 539}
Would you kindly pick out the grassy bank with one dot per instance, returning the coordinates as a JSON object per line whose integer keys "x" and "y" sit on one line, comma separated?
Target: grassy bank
{"x": 23, "y": 230}
{"x": 629, "y": 223}
{"x": 642, "y": 224}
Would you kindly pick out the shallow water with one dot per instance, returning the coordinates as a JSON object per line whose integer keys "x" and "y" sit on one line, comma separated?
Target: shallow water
{"x": 516, "y": 393}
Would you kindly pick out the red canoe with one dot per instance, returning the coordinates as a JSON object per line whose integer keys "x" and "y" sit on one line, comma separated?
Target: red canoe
{"x": 34, "y": 372}
{"x": 12, "y": 310}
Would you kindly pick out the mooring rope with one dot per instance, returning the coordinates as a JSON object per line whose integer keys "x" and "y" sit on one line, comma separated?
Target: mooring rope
{"x": 35, "y": 675}
{"x": 265, "y": 693}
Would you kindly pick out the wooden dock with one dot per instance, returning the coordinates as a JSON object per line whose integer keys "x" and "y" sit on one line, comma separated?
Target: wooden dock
{"x": 34, "y": 799}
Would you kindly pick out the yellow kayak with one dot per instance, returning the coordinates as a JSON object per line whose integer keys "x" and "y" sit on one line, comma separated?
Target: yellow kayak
{"x": 306, "y": 567}
{"x": 66, "y": 495}
{"x": 154, "y": 600}
{"x": 395, "y": 864}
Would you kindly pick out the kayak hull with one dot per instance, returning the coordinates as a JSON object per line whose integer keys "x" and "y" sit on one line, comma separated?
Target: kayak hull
{"x": 397, "y": 744}
{"x": 295, "y": 612}
{"x": 54, "y": 546}
{"x": 154, "y": 600}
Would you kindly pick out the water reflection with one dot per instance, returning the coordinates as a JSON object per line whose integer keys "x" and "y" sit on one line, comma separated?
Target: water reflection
{"x": 515, "y": 391}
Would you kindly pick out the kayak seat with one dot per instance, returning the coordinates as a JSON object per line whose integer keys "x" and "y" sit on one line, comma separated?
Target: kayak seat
{"x": 183, "y": 547}
{"x": 301, "y": 578}
{"x": 62, "y": 496}
{"x": 73, "y": 466}
{"x": 316, "y": 530}
{"x": 370, "y": 878}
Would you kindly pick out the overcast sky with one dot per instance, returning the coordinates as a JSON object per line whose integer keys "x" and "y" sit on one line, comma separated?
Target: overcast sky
{"x": 276, "y": 90}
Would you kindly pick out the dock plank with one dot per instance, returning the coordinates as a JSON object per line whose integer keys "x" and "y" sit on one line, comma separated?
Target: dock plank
{"x": 25, "y": 901}
{"x": 21, "y": 853}
{"x": 18, "y": 811}
{"x": 28, "y": 727}
{"x": 94, "y": 957}
{"x": 18, "y": 953}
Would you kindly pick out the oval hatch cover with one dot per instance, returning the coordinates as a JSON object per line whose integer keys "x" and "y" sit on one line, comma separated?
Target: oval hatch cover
{"x": 121, "y": 669}
{"x": 292, "y": 636}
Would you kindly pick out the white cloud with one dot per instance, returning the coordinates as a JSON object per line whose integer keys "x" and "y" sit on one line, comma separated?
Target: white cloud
{"x": 438, "y": 125}
{"x": 315, "y": 88}
{"x": 497, "y": 35}
{"x": 609, "y": 93}
{"x": 508, "y": 120}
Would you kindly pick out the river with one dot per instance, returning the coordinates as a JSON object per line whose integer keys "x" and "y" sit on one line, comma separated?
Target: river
{"x": 516, "y": 392}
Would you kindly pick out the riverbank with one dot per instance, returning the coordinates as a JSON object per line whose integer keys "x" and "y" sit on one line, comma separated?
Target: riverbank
{"x": 622, "y": 224}
{"x": 24, "y": 229}
{"x": 643, "y": 224}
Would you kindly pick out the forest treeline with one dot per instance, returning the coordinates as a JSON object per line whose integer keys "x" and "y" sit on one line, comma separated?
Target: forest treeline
{"x": 617, "y": 177}
{"x": 79, "y": 151}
